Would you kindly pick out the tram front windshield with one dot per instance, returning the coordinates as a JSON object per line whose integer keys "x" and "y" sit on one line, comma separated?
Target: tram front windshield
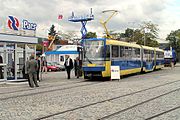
{"x": 93, "y": 50}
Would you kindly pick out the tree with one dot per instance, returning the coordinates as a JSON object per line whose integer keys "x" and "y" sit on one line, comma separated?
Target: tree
{"x": 52, "y": 31}
{"x": 149, "y": 33}
{"x": 129, "y": 34}
{"x": 174, "y": 40}
{"x": 39, "y": 47}
{"x": 91, "y": 35}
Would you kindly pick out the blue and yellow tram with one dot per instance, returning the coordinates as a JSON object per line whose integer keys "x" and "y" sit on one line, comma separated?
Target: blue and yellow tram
{"x": 100, "y": 54}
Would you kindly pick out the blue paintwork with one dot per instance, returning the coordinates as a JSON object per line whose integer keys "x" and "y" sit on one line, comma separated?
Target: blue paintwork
{"x": 127, "y": 64}
{"x": 95, "y": 39}
{"x": 93, "y": 68}
{"x": 61, "y": 52}
{"x": 148, "y": 65}
{"x": 160, "y": 62}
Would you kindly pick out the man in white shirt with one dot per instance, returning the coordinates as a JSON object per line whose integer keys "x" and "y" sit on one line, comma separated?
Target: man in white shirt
{"x": 68, "y": 65}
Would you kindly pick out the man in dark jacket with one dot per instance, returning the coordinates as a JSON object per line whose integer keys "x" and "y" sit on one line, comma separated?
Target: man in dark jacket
{"x": 68, "y": 65}
{"x": 77, "y": 67}
{"x": 38, "y": 69}
{"x": 32, "y": 67}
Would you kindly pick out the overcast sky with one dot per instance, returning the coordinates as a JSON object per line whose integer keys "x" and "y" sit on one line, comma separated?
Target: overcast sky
{"x": 165, "y": 13}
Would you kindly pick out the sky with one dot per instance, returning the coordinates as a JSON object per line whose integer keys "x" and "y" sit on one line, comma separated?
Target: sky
{"x": 164, "y": 13}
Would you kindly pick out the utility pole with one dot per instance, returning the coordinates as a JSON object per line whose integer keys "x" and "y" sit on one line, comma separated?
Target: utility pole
{"x": 144, "y": 38}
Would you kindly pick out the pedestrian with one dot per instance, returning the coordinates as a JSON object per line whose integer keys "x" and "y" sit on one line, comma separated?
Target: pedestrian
{"x": 44, "y": 64}
{"x": 38, "y": 69}
{"x": 25, "y": 72}
{"x": 1, "y": 73}
{"x": 77, "y": 67}
{"x": 13, "y": 68}
{"x": 32, "y": 67}
{"x": 68, "y": 65}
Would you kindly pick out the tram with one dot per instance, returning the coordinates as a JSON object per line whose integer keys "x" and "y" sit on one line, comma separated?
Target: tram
{"x": 101, "y": 53}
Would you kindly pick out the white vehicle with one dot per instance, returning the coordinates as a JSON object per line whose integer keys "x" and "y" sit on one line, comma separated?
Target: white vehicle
{"x": 59, "y": 54}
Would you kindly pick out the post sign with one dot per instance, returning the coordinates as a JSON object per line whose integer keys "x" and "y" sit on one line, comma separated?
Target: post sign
{"x": 28, "y": 25}
{"x": 16, "y": 26}
{"x": 115, "y": 72}
{"x": 13, "y": 23}
{"x": 45, "y": 43}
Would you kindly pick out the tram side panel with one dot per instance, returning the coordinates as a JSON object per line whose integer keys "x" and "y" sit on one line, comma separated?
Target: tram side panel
{"x": 159, "y": 59}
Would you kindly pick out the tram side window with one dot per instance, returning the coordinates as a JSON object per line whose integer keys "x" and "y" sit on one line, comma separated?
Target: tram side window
{"x": 115, "y": 51}
{"x": 157, "y": 54}
{"x": 161, "y": 55}
{"x": 122, "y": 51}
{"x": 107, "y": 52}
{"x": 126, "y": 52}
{"x": 130, "y": 52}
{"x": 146, "y": 54}
{"x": 152, "y": 54}
{"x": 137, "y": 52}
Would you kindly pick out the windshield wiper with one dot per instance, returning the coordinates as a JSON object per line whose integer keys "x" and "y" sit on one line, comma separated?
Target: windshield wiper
{"x": 87, "y": 57}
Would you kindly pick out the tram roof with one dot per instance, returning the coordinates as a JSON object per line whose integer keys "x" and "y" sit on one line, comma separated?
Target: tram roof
{"x": 160, "y": 50}
{"x": 115, "y": 42}
{"x": 147, "y": 47}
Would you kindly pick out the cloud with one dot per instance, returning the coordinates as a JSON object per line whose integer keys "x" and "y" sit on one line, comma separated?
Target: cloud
{"x": 45, "y": 13}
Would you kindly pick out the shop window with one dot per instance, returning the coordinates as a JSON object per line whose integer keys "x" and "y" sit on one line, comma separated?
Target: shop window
{"x": 61, "y": 58}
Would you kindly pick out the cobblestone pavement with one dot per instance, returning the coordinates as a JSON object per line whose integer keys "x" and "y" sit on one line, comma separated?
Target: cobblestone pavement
{"x": 155, "y": 95}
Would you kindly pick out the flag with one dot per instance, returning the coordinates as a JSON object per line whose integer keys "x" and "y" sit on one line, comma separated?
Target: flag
{"x": 60, "y": 17}
{"x": 45, "y": 43}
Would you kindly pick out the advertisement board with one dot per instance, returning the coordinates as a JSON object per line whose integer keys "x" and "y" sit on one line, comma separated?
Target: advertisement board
{"x": 16, "y": 26}
{"x": 115, "y": 73}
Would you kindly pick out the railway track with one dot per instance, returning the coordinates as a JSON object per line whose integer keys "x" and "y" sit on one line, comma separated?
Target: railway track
{"x": 29, "y": 89}
{"x": 47, "y": 91}
{"x": 157, "y": 115}
{"x": 116, "y": 113}
{"x": 105, "y": 117}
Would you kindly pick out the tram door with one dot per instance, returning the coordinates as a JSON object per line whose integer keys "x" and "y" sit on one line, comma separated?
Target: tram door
{"x": 80, "y": 55}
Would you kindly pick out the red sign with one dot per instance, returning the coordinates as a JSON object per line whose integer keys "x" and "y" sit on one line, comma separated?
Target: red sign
{"x": 60, "y": 17}
{"x": 45, "y": 43}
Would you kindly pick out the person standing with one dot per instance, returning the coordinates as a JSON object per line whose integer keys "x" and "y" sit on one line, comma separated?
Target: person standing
{"x": 32, "y": 67}
{"x": 44, "y": 64}
{"x": 68, "y": 65}
{"x": 38, "y": 69}
{"x": 25, "y": 72}
{"x": 77, "y": 67}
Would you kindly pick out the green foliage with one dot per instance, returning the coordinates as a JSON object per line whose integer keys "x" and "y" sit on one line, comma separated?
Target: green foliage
{"x": 91, "y": 35}
{"x": 153, "y": 29}
{"x": 52, "y": 31}
{"x": 139, "y": 35}
{"x": 174, "y": 40}
{"x": 129, "y": 33}
{"x": 39, "y": 47}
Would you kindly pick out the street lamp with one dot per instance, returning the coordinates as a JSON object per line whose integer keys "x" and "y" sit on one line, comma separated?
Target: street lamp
{"x": 146, "y": 30}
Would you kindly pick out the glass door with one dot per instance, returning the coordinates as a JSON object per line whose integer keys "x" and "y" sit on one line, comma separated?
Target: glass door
{"x": 2, "y": 61}
{"x": 10, "y": 61}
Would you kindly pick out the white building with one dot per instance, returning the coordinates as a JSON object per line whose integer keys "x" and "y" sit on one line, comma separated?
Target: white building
{"x": 14, "y": 51}
{"x": 59, "y": 54}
